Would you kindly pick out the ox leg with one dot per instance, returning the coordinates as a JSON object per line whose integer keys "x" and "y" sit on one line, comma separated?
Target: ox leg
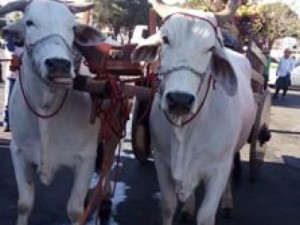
{"x": 168, "y": 195}
{"x": 83, "y": 173}
{"x": 227, "y": 209}
{"x": 188, "y": 210}
{"x": 24, "y": 173}
{"x": 214, "y": 187}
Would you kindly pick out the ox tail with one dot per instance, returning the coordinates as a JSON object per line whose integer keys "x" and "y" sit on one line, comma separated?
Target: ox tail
{"x": 237, "y": 169}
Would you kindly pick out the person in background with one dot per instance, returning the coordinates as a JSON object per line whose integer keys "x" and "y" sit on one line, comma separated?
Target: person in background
{"x": 16, "y": 49}
{"x": 2, "y": 61}
{"x": 266, "y": 72}
{"x": 283, "y": 73}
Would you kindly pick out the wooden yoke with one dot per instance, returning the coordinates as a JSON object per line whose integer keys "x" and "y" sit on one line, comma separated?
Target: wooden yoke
{"x": 152, "y": 24}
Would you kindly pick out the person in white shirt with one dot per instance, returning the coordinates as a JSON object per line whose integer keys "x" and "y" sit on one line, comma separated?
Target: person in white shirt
{"x": 16, "y": 50}
{"x": 285, "y": 67}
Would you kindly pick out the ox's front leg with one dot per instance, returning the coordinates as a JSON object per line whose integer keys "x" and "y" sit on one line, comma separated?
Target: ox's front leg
{"x": 82, "y": 176}
{"x": 167, "y": 188}
{"x": 24, "y": 173}
{"x": 227, "y": 208}
{"x": 215, "y": 185}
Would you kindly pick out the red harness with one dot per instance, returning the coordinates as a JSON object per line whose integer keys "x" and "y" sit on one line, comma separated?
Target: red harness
{"x": 31, "y": 108}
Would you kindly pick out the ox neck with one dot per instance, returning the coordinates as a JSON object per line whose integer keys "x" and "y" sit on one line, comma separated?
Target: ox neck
{"x": 42, "y": 97}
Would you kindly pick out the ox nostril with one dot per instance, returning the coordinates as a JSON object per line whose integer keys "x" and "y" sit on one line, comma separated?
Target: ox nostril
{"x": 58, "y": 65}
{"x": 180, "y": 100}
{"x": 50, "y": 65}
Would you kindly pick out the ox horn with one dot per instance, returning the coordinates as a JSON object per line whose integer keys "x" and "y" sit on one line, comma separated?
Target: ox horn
{"x": 80, "y": 8}
{"x": 76, "y": 8}
{"x": 13, "y": 6}
{"x": 162, "y": 9}
{"x": 228, "y": 13}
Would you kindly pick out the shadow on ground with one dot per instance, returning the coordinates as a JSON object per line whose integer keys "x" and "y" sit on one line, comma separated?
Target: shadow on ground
{"x": 292, "y": 100}
{"x": 275, "y": 199}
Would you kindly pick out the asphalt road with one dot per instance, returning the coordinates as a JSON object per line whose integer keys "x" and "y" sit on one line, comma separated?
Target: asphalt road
{"x": 273, "y": 200}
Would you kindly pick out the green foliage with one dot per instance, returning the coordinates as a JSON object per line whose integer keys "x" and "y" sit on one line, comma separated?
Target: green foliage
{"x": 282, "y": 21}
{"x": 251, "y": 20}
{"x": 120, "y": 13}
{"x": 206, "y": 5}
{"x": 262, "y": 23}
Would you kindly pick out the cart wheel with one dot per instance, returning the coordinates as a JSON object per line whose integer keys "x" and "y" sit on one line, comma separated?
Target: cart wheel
{"x": 140, "y": 134}
{"x": 260, "y": 135}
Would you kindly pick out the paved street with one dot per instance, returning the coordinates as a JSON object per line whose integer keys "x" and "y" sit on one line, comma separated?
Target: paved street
{"x": 274, "y": 200}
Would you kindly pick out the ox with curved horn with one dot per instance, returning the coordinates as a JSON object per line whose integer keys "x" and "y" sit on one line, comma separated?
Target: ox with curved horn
{"x": 222, "y": 17}
{"x": 45, "y": 113}
{"x": 204, "y": 110}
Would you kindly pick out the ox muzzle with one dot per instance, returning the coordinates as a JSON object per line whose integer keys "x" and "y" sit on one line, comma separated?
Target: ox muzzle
{"x": 58, "y": 71}
{"x": 179, "y": 103}
{"x": 57, "y": 67}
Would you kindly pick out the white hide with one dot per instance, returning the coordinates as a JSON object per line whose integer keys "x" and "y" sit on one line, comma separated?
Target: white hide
{"x": 65, "y": 140}
{"x": 203, "y": 149}
{"x": 61, "y": 24}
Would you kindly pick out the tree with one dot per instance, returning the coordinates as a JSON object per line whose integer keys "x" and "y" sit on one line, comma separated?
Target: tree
{"x": 262, "y": 23}
{"x": 117, "y": 14}
{"x": 282, "y": 21}
{"x": 109, "y": 13}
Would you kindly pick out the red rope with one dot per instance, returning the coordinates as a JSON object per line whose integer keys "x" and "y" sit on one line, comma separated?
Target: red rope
{"x": 96, "y": 199}
{"x": 117, "y": 170}
{"x": 48, "y": 116}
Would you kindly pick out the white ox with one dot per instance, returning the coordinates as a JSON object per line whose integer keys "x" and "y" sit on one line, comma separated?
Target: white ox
{"x": 65, "y": 139}
{"x": 203, "y": 112}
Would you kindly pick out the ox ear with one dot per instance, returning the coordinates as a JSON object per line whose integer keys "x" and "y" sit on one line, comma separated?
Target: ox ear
{"x": 13, "y": 32}
{"x": 223, "y": 71}
{"x": 87, "y": 36}
{"x": 148, "y": 50}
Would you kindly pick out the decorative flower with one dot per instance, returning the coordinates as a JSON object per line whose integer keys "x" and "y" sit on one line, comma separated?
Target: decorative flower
{"x": 250, "y": 19}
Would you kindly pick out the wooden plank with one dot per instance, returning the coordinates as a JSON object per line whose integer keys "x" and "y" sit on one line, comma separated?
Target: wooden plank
{"x": 97, "y": 87}
{"x": 260, "y": 135}
{"x": 5, "y": 60}
{"x": 258, "y": 77}
{"x": 257, "y": 97}
{"x": 256, "y": 50}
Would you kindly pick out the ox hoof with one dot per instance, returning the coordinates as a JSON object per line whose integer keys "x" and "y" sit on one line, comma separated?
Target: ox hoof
{"x": 186, "y": 218}
{"x": 264, "y": 135}
{"x": 105, "y": 209}
{"x": 227, "y": 213}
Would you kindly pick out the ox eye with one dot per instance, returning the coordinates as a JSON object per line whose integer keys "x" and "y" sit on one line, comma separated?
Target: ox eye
{"x": 211, "y": 49}
{"x": 166, "y": 40}
{"x": 29, "y": 23}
